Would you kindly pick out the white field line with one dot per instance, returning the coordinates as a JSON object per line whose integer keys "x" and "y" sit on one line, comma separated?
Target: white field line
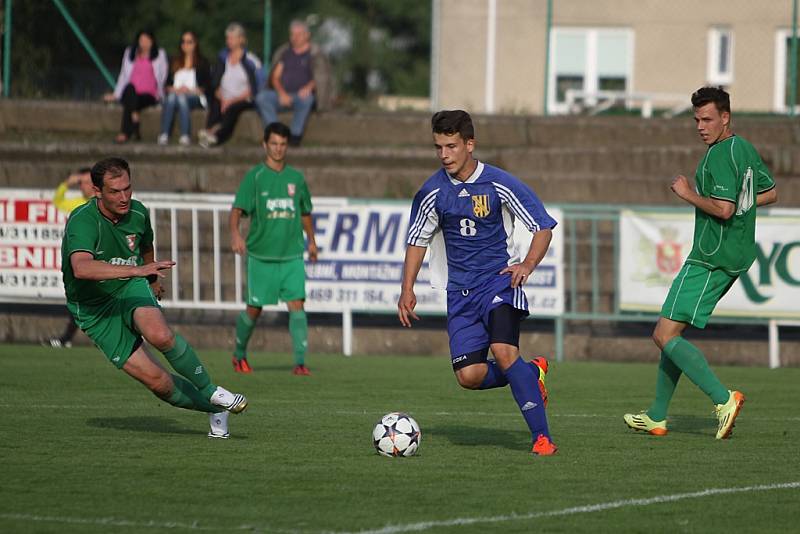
{"x": 586, "y": 509}
{"x": 409, "y": 527}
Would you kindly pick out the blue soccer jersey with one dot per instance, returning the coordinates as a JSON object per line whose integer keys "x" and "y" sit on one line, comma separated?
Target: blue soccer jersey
{"x": 476, "y": 219}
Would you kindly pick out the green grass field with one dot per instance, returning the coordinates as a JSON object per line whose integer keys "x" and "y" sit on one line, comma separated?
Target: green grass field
{"x": 86, "y": 449}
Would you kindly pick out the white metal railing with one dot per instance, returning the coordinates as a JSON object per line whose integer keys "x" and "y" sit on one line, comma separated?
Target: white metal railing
{"x": 598, "y": 101}
{"x": 218, "y": 206}
{"x": 774, "y": 341}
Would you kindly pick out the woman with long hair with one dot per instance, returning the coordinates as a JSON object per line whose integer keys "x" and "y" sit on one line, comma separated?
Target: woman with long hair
{"x": 189, "y": 76}
{"x": 140, "y": 83}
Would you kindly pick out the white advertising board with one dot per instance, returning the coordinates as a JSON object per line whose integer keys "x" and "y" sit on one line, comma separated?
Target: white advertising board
{"x": 654, "y": 245}
{"x": 361, "y": 246}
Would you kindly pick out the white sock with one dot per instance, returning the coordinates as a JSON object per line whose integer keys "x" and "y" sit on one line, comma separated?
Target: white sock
{"x": 219, "y": 425}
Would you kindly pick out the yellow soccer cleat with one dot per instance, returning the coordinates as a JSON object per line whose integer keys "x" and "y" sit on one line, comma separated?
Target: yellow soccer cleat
{"x": 642, "y": 421}
{"x": 726, "y": 413}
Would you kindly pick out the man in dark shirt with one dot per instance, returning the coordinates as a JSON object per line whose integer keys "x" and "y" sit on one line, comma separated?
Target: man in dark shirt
{"x": 294, "y": 80}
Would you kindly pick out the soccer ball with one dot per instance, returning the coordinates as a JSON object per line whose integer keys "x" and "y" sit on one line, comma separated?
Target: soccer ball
{"x": 396, "y": 434}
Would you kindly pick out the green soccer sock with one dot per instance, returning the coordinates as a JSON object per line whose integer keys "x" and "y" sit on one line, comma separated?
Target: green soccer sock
{"x": 183, "y": 359}
{"x": 244, "y": 329}
{"x": 185, "y": 395}
{"x": 693, "y": 363}
{"x": 666, "y": 382}
{"x": 298, "y": 330}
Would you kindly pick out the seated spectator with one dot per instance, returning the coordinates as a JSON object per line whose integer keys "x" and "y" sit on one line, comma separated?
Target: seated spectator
{"x": 188, "y": 80}
{"x": 140, "y": 83}
{"x": 234, "y": 81}
{"x": 300, "y": 77}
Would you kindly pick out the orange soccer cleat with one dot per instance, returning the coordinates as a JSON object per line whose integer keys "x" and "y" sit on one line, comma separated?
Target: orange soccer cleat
{"x": 543, "y": 446}
{"x": 241, "y": 366}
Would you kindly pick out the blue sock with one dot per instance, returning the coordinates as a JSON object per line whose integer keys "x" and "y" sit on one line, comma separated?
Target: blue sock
{"x": 526, "y": 392}
{"x": 494, "y": 376}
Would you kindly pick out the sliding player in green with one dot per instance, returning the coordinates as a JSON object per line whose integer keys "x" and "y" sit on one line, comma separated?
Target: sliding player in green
{"x": 731, "y": 180}
{"x": 276, "y": 198}
{"x": 108, "y": 260}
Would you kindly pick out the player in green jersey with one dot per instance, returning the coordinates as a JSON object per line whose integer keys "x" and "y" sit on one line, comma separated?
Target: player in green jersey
{"x": 276, "y": 198}
{"x": 112, "y": 282}
{"x": 730, "y": 181}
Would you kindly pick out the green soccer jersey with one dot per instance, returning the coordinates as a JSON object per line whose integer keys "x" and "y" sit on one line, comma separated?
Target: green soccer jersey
{"x": 274, "y": 201}
{"x": 88, "y": 230}
{"x": 731, "y": 170}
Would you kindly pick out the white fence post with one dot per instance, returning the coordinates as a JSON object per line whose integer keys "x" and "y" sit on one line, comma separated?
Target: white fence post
{"x": 774, "y": 345}
{"x": 347, "y": 332}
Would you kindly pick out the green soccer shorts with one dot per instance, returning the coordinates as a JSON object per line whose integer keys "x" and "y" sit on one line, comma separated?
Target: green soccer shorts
{"x": 694, "y": 294}
{"x": 110, "y": 324}
{"x": 270, "y": 281}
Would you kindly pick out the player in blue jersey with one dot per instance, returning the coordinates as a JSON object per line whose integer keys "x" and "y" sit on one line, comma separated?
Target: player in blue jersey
{"x": 471, "y": 208}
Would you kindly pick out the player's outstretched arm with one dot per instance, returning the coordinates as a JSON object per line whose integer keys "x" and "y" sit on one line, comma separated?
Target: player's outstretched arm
{"x": 408, "y": 300}
{"x": 149, "y": 256}
{"x": 85, "y": 267}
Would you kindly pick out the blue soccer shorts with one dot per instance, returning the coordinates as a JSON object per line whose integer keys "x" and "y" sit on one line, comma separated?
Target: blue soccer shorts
{"x": 468, "y": 317}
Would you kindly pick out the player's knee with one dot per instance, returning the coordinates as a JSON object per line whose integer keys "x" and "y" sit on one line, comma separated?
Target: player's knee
{"x": 468, "y": 379}
{"x": 661, "y": 337}
{"x": 162, "y": 339}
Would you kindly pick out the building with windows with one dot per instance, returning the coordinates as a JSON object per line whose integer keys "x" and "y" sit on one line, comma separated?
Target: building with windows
{"x": 497, "y": 56}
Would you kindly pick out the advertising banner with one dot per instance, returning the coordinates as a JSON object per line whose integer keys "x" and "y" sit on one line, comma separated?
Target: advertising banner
{"x": 361, "y": 247}
{"x": 654, "y": 245}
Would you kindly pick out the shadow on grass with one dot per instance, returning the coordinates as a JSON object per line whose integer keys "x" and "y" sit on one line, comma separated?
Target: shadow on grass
{"x": 283, "y": 368}
{"x": 471, "y": 436}
{"x": 693, "y": 424}
{"x": 159, "y": 425}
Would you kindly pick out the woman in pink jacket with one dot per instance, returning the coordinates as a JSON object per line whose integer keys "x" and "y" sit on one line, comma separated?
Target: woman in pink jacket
{"x": 140, "y": 83}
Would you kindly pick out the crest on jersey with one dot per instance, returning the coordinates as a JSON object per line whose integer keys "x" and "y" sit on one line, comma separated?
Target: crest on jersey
{"x": 131, "y": 241}
{"x": 480, "y": 205}
{"x": 290, "y": 189}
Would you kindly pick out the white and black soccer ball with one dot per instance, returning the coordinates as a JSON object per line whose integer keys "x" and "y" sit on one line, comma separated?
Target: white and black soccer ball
{"x": 396, "y": 434}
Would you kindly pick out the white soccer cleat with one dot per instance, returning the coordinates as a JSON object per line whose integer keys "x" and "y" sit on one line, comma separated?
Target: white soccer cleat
{"x": 219, "y": 425}
{"x": 233, "y": 402}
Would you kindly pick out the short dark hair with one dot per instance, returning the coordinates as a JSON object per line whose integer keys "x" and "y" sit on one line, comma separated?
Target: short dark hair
{"x": 708, "y": 94}
{"x": 277, "y": 128}
{"x": 113, "y": 166}
{"x": 453, "y": 122}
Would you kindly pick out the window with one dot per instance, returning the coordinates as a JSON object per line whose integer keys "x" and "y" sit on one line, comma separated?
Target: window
{"x": 720, "y": 56}
{"x": 588, "y": 60}
{"x": 783, "y": 72}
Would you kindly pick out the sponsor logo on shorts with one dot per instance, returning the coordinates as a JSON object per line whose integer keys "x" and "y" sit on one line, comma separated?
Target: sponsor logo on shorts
{"x": 529, "y": 406}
